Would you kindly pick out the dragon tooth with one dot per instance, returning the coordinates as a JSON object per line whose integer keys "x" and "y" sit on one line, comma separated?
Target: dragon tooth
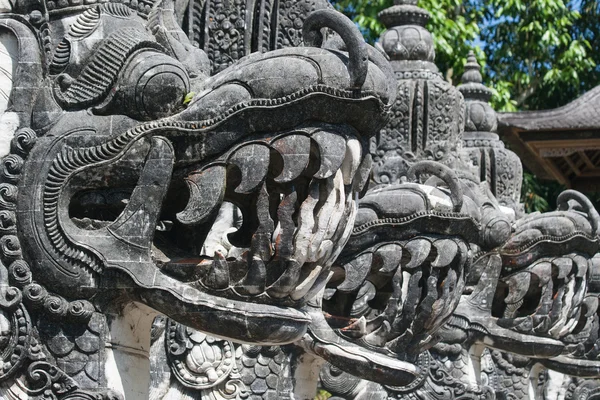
{"x": 591, "y": 305}
{"x": 260, "y": 243}
{"x": 518, "y": 286}
{"x": 565, "y": 309}
{"x": 389, "y": 256}
{"x": 446, "y": 252}
{"x": 419, "y": 250}
{"x": 332, "y": 149}
{"x": 521, "y": 324}
{"x": 218, "y": 275}
{"x": 356, "y": 272}
{"x": 338, "y": 212}
{"x": 207, "y": 189}
{"x": 254, "y": 281}
{"x": 276, "y": 233}
{"x": 450, "y": 283}
{"x": 323, "y": 216}
{"x": 344, "y": 229}
{"x": 543, "y": 270}
{"x": 363, "y": 174}
{"x": 448, "y": 298}
{"x": 396, "y": 299}
{"x": 307, "y": 283}
{"x": 564, "y": 265}
{"x": 295, "y": 153}
{"x": 374, "y": 323}
{"x": 356, "y": 329}
{"x": 324, "y": 250}
{"x": 351, "y": 161}
{"x": 253, "y": 162}
{"x": 319, "y": 284}
{"x": 287, "y": 281}
{"x": 379, "y": 337}
{"x": 582, "y": 266}
{"x": 306, "y": 222}
{"x": 570, "y": 325}
{"x": 366, "y": 293}
{"x": 540, "y": 323}
{"x": 580, "y": 291}
{"x": 283, "y": 239}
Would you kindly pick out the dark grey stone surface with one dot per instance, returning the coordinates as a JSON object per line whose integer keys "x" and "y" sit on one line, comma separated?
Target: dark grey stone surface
{"x": 199, "y": 165}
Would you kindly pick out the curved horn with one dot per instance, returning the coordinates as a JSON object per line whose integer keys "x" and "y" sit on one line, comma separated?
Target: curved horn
{"x": 442, "y": 172}
{"x": 356, "y": 45}
{"x": 563, "y": 204}
{"x": 28, "y": 73}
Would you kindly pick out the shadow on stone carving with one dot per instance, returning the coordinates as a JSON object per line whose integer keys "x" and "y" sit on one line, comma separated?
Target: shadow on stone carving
{"x": 181, "y": 178}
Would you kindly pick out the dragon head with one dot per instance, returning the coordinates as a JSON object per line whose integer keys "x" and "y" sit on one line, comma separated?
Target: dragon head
{"x": 530, "y": 296}
{"x": 225, "y": 216}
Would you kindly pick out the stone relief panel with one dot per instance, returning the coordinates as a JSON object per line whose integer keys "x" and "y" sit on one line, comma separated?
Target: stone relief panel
{"x": 230, "y": 30}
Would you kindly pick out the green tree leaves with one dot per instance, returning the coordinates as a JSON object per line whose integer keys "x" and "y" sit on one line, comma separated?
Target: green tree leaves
{"x": 539, "y": 54}
{"x": 537, "y": 47}
{"x": 537, "y": 51}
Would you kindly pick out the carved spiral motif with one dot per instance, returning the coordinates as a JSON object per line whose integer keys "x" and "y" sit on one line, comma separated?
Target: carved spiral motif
{"x": 15, "y": 331}
{"x": 20, "y": 273}
{"x": 233, "y": 389}
{"x": 7, "y": 221}
{"x": 338, "y": 381}
{"x": 23, "y": 141}
{"x": 11, "y": 167}
{"x": 10, "y": 247}
{"x": 56, "y": 306}
{"x": 8, "y": 196}
{"x": 35, "y": 294}
{"x": 43, "y": 376}
{"x": 81, "y": 309}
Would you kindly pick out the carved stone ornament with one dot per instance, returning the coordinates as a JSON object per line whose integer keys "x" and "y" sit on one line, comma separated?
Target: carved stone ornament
{"x": 495, "y": 164}
{"x": 521, "y": 291}
{"x": 241, "y": 199}
{"x": 427, "y": 118}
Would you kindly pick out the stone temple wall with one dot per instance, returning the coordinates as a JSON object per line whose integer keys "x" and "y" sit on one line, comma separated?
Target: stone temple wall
{"x": 241, "y": 199}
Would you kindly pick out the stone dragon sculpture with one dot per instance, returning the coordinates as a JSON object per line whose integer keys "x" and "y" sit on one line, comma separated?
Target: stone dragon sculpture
{"x": 112, "y": 188}
{"x": 527, "y": 311}
{"x": 180, "y": 218}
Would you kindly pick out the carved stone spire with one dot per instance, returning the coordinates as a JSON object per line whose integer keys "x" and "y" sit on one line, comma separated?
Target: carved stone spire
{"x": 407, "y": 38}
{"x": 500, "y": 167}
{"x": 480, "y": 116}
{"x": 427, "y": 118}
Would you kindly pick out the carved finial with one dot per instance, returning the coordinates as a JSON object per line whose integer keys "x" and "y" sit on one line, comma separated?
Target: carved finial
{"x": 480, "y": 116}
{"x": 472, "y": 87}
{"x": 472, "y": 70}
{"x": 404, "y": 12}
{"x": 406, "y": 37}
